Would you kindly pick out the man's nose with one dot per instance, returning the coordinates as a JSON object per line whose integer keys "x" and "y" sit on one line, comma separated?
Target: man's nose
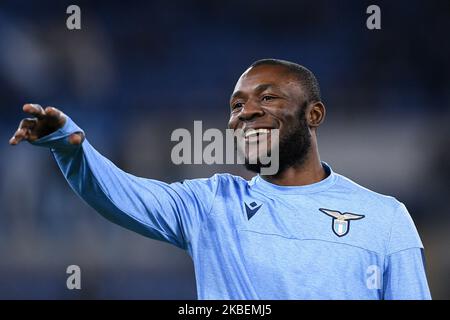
{"x": 250, "y": 110}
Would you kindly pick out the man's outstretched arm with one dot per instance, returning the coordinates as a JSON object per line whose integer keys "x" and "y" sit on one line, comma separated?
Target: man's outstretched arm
{"x": 167, "y": 212}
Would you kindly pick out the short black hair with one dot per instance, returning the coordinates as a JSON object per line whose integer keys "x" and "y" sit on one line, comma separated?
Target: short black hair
{"x": 307, "y": 79}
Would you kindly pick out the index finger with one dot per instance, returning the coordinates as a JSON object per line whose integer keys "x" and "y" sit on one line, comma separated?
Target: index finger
{"x": 34, "y": 109}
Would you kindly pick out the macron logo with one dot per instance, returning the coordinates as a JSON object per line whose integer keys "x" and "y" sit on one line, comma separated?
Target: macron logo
{"x": 252, "y": 209}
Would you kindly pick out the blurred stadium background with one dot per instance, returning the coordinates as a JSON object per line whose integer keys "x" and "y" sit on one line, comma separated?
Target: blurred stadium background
{"x": 140, "y": 69}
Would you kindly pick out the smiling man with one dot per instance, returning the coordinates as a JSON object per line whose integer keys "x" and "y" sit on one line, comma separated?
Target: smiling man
{"x": 305, "y": 232}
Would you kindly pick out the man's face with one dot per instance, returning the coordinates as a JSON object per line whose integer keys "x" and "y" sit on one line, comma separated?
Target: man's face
{"x": 270, "y": 97}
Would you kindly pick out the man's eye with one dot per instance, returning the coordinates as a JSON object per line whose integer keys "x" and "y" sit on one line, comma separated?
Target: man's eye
{"x": 237, "y": 105}
{"x": 267, "y": 98}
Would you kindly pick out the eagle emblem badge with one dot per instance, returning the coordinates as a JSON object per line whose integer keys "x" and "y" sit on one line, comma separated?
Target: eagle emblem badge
{"x": 341, "y": 221}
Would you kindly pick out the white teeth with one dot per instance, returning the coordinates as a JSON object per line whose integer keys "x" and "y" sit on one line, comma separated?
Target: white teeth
{"x": 252, "y": 132}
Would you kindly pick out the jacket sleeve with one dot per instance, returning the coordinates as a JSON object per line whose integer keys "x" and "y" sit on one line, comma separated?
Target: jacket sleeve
{"x": 168, "y": 212}
{"x": 405, "y": 274}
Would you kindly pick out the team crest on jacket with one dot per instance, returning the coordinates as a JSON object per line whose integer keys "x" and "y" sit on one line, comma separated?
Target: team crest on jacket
{"x": 340, "y": 224}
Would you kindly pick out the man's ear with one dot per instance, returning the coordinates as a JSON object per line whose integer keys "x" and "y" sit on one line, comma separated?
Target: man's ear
{"x": 316, "y": 114}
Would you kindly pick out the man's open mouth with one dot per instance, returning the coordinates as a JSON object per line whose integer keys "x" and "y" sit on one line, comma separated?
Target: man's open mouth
{"x": 255, "y": 132}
